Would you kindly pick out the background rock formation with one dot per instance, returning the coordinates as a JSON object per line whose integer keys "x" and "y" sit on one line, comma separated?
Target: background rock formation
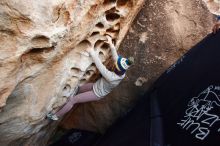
{"x": 43, "y": 57}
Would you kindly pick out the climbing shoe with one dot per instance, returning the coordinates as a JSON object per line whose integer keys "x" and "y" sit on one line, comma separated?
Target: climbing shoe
{"x": 52, "y": 117}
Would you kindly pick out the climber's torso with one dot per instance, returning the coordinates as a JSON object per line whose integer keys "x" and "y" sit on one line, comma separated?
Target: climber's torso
{"x": 102, "y": 87}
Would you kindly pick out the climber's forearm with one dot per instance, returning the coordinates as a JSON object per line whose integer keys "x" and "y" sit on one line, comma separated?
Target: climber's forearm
{"x": 114, "y": 53}
{"x": 97, "y": 61}
{"x": 102, "y": 69}
{"x": 112, "y": 47}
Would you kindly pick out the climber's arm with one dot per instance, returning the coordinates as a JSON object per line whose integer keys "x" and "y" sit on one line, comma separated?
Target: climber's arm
{"x": 216, "y": 26}
{"x": 113, "y": 49}
{"x": 102, "y": 69}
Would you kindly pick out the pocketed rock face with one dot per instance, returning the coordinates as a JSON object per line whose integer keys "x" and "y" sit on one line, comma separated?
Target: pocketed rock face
{"x": 162, "y": 32}
{"x": 43, "y": 57}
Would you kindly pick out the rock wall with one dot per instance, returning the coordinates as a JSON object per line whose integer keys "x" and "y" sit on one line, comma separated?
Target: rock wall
{"x": 43, "y": 57}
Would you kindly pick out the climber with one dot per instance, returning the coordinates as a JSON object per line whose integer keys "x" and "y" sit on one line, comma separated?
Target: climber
{"x": 103, "y": 86}
{"x": 216, "y": 26}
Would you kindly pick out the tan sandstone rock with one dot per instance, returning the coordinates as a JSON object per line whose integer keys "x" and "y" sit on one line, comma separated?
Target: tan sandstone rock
{"x": 213, "y": 6}
{"x": 43, "y": 57}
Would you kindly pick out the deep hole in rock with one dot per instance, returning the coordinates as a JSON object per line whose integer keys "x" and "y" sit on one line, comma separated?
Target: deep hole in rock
{"x": 92, "y": 66}
{"x": 67, "y": 88}
{"x": 84, "y": 42}
{"x": 112, "y": 30}
{"x": 75, "y": 71}
{"x": 98, "y": 43}
{"x": 36, "y": 55}
{"x": 99, "y": 25}
{"x": 112, "y": 17}
{"x": 105, "y": 46}
{"x": 89, "y": 73}
{"x": 83, "y": 45}
{"x": 40, "y": 38}
{"x": 95, "y": 33}
{"x": 40, "y": 50}
{"x": 36, "y": 50}
{"x": 101, "y": 55}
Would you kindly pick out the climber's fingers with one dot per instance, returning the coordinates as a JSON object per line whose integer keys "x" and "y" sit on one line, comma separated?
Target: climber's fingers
{"x": 215, "y": 28}
{"x": 108, "y": 38}
{"x": 109, "y": 41}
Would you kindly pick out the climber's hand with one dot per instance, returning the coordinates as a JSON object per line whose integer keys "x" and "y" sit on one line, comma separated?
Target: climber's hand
{"x": 216, "y": 27}
{"x": 109, "y": 41}
{"x": 89, "y": 50}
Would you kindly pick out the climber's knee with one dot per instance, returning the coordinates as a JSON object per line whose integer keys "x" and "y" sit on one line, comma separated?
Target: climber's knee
{"x": 73, "y": 99}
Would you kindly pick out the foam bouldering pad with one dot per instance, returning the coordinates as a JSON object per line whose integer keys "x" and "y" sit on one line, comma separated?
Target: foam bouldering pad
{"x": 77, "y": 137}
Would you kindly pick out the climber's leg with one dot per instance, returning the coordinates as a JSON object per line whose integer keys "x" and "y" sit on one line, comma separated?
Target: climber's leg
{"x": 86, "y": 97}
{"x": 85, "y": 88}
{"x": 80, "y": 98}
